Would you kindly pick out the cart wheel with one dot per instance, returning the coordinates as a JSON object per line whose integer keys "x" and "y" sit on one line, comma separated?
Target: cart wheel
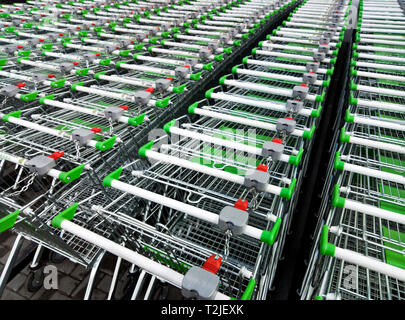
{"x": 35, "y": 280}
{"x": 56, "y": 257}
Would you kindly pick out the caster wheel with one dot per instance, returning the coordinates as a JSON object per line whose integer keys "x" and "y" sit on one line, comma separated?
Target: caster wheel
{"x": 56, "y": 257}
{"x": 35, "y": 280}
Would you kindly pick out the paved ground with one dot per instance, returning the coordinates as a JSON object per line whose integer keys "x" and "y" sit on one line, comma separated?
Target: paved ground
{"x": 72, "y": 278}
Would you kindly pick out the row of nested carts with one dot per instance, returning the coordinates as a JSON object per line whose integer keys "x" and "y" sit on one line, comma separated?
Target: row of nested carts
{"x": 360, "y": 236}
{"x": 99, "y": 154}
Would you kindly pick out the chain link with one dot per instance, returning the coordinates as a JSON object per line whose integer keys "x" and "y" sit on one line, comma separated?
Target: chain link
{"x": 228, "y": 235}
{"x": 110, "y": 122}
{"x": 25, "y": 188}
{"x": 77, "y": 145}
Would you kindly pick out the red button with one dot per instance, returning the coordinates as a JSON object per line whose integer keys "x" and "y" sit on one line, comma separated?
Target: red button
{"x": 21, "y": 85}
{"x": 289, "y": 118}
{"x": 56, "y": 155}
{"x": 277, "y": 140}
{"x": 20, "y": 47}
{"x": 125, "y": 107}
{"x": 303, "y": 85}
{"x": 97, "y": 54}
{"x": 41, "y": 40}
{"x": 212, "y": 265}
{"x": 169, "y": 78}
{"x": 150, "y": 90}
{"x": 51, "y": 76}
{"x": 188, "y": 67}
{"x": 77, "y": 28}
{"x": 241, "y": 204}
{"x": 96, "y": 130}
{"x": 75, "y": 63}
{"x": 61, "y": 34}
{"x": 262, "y": 167}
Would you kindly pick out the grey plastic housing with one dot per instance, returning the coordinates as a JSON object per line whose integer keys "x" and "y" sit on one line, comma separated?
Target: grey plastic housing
{"x": 82, "y": 136}
{"x": 40, "y": 165}
{"x": 300, "y": 92}
{"x": 39, "y": 77}
{"x": 324, "y": 48}
{"x": 109, "y": 48}
{"x": 113, "y": 113}
{"x": 10, "y": 49}
{"x": 181, "y": 72}
{"x": 285, "y": 125}
{"x": 89, "y": 57}
{"x": 309, "y": 78}
{"x": 161, "y": 85}
{"x": 319, "y": 56}
{"x": 233, "y": 219}
{"x": 204, "y": 54}
{"x": 257, "y": 179}
{"x": 9, "y": 90}
{"x": 273, "y": 150}
{"x": 142, "y": 97}
{"x": 312, "y": 66}
{"x": 294, "y": 106}
{"x": 66, "y": 67}
{"x": 200, "y": 284}
{"x": 190, "y": 61}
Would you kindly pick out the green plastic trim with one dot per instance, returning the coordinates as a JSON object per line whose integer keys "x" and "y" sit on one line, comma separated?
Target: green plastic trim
{"x": 29, "y": 96}
{"x": 219, "y": 57}
{"x": 228, "y": 50}
{"x": 326, "y": 83}
{"x": 153, "y": 40}
{"x": 208, "y": 66}
{"x": 47, "y": 46}
{"x": 67, "y": 214}
{"x": 106, "y": 144}
{"x": 318, "y": 298}
{"x": 308, "y": 134}
{"x": 349, "y": 117}
{"x": 333, "y": 61}
{"x": 208, "y": 93}
{"x": 98, "y": 74}
{"x": 326, "y": 247}
{"x": 136, "y": 121}
{"x": 142, "y": 150}
{"x": 195, "y": 76}
{"x": 337, "y": 200}
{"x": 222, "y": 79}
{"x": 115, "y": 175}
{"x": 254, "y": 51}
{"x": 235, "y": 69}
{"x": 353, "y": 86}
{"x": 237, "y": 43}
{"x": 42, "y": 99}
{"x": 338, "y": 164}
{"x": 104, "y": 62}
{"x": 191, "y": 109}
{"x": 138, "y": 47}
{"x": 58, "y": 83}
{"x": 247, "y": 294}
{"x": 353, "y": 72}
{"x": 295, "y": 160}
{"x": 316, "y": 112}
{"x": 245, "y": 35}
{"x": 8, "y": 221}
{"x": 124, "y": 53}
{"x": 269, "y": 237}
{"x": 344, "y": 137}
{"x": 330, "y": 71}
{"x": 74, "y": 85}
{"x": 71, "y": 175}
{"x": 25, "y": 53}
{"x": 168, "y": 125}
{"x": 162, "y": 103}
{"x": 165, "y": 35}
{"x": 245, "y": 60}
{"x": 353, "y": 100}
{"x": 287, "y": 192}
{"x": 180, "y": 89}
{"x": 3, "y": 62}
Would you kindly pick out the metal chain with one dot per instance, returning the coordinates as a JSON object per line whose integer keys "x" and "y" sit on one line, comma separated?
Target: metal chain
{"x": 25, "y": 188}
{"x": 77, "y": 145}
{"x": 110, "y": 122}
{"x": 228, "y": 235}
{"x": 254, "y": 203}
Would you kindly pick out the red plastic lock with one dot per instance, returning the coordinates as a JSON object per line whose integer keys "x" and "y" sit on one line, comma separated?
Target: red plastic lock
{"x": 61, "y": 34}
{"x": 51, "y": 75}
{"x": 303, "y": 85}
{"x": 169, "y": 78}
{"x": 21, "y": 85}
{"x": 75, "y": 63}
{"x": 78, "y": 28}
{"x": 241, "y": 204}
{"x": 125, "y": 107}
{"x": 277, "y": 140}
{"x": 117, "y": 47}
{"x": 188, "y": 67}
{"x": 289, "y": 118}
{"x": 132, "y": 41}
{"x": 150, "y": 90}
{"x": 212, "y": 265}
{"x": 42, "y": 15}
{"x": 56, "y": 155}
{"x": 22, "y": 20}
{"x": 41, "y": 40}
{"x": 97, "y": 54}
{"x": 20, "y": 47}
{"x": 262, "y": 167}
{"x": 5, "y": 25}
{"x": 95, "y": 130}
